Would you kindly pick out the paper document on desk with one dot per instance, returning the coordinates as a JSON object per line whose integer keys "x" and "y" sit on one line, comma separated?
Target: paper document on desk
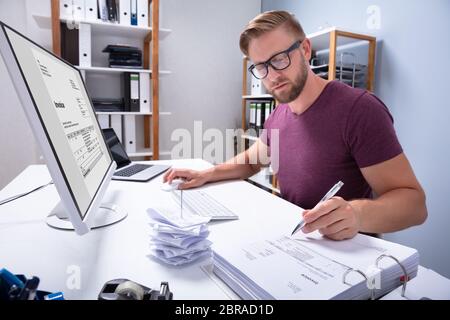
{"x": 311, "y": 267}
{"x": 178, "y": 239}
{"x": 176, "y": 218}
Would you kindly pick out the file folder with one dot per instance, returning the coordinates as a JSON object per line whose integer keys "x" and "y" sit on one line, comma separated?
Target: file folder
{"x": 76, "y": 44}
{"x": 103, "y": 121}
{"x": 257, "y": 88}
{"x": 134, "y": 19}
{"x": 267, "y": 106}
{"x": 116, "y": 124}
{"x": 313, "y": 267}
{"x": 84, "y": 40}
{"x": 129, "y": 133}
{"x": 78, "y": 10}
{"x": 102, "y": 10}
{"x": 144, "y": 92}
{"x": 91, "y": 10}
{"x": 131, "y": 89}
{"x": 252, "y": 120}
{"x": 65, "y": 9}
{"x": 142, "y": 13}
{"x": 258, "y": 117}
{"x": 124, "y": 12}
{"x": 112, "y": 10}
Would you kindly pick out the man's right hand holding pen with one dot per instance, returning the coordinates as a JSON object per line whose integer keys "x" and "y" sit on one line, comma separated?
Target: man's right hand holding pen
{"x": 333, "y": 217}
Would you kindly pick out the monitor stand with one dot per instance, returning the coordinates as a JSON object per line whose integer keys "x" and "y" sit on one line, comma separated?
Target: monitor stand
{"x": 107, "y": 214}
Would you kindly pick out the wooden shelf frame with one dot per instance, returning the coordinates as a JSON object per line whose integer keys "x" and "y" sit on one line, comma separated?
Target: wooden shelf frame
{"x": 334, "y": 35}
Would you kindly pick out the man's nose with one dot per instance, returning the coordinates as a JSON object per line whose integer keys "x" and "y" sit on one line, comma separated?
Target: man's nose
{"x": 273, "y": 74}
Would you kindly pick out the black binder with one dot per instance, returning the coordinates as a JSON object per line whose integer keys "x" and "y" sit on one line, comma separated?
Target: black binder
{"x": 70, "y": 50}
{"x": 131, "y": 91}
{"x": 112, "y": 10}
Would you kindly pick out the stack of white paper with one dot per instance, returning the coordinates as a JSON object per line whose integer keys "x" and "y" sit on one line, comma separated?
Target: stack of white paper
{"x": 178, "y": 239}
{"x": 313, "y": 267}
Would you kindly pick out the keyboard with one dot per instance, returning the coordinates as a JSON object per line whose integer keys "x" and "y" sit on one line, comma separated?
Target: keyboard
{"x": 132, "y": 170}
{"x": 202, "y": 204}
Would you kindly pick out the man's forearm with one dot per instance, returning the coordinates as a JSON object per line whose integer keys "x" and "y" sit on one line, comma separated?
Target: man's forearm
{"x": 393, "y": 211}
{"x": 231, "y": 170}
{"x": 242, "y": 166}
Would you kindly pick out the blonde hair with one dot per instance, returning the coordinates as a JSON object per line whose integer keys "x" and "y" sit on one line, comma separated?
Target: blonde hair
{"x": 266, "y": 22}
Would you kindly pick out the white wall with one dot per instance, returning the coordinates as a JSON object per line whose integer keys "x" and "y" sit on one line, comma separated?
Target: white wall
{"x": 203, "y": 54}
{"x": 18, "y": 147}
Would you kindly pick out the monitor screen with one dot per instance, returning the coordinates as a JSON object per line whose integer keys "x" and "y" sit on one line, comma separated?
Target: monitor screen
{"x": 61, "y": 115}
{"x": 117, "y": 150}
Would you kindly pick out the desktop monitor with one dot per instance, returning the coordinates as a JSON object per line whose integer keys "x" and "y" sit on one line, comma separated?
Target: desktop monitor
{"x": 59, "y": 110}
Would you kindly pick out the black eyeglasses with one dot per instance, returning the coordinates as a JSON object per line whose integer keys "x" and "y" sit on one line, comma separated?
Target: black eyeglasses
{"x": 278, "y": 61}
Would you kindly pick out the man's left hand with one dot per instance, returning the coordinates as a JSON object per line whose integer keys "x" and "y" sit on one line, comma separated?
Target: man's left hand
{"x": 334, "y": 218}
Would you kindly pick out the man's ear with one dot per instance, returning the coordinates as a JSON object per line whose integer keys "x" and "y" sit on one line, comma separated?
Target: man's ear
{"x": 306, "y": 48}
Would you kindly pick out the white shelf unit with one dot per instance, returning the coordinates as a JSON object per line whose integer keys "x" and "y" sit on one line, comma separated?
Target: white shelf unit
{"x": 147, "y": 153}
{"x": 249, "y": 137}
{"x": 99, "y": 27}
{"x": 120, "y": 70}
{"x": 132, "y": 113}
{"x": 147, "y": 135}
{"x": 262, "y": 96}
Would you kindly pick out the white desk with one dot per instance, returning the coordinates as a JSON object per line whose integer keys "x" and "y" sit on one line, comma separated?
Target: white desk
{"x": 28, "y": 246}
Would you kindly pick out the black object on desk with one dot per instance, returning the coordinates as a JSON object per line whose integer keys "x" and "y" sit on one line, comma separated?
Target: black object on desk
{"x": 124, "y": 289}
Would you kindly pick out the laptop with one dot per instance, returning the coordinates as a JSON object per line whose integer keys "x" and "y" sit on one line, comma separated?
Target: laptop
{"x": 126, "y": 169}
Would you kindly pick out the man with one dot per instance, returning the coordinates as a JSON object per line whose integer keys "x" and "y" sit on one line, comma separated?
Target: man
{"x": 328, "y": 132}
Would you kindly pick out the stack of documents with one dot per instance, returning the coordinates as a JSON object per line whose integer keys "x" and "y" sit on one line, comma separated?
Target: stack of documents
{"x": 313, "y": 267}
{"x": 178, "y": 238}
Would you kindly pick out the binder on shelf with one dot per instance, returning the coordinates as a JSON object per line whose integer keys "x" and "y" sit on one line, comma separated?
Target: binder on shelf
{"x": 144, "y": 92}
{"x": 131, "y": 90}
{"x": 252, "y": 119}
{"x": 108, "y": 105}
{"x": 257, "y": 87}
{"x": 85, "y": 45}
{"x": 116, "y": 124}
{"x": 78, "y": 10}
{"x": 124, "y": 12}
{"x": 76, "y": 44}
{"x": 142, "y": 13}
{"x": 272, "y": 106}
{"x": 112, "y": 10}
{"x": 267, "y": 107}
{"x": 134, "y": 18}
{"x": 103, "y": 121}
{"x": 129, "y": 133}
{"x": 90, "y": 10}
{"x": 102, "y": 10}
{"x": 65, "y": 9}
{"x": 258, "y": 117}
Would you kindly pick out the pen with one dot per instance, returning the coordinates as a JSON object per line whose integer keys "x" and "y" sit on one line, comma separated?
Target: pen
{"x": 181, "y": 202}
{"x": 326, "y": 197}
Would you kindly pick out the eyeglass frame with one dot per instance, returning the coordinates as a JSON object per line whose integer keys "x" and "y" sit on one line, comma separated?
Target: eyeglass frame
{"x": 268, "y": 62}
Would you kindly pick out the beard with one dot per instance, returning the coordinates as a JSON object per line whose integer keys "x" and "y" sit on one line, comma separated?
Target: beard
{"x": 295, "y": 87}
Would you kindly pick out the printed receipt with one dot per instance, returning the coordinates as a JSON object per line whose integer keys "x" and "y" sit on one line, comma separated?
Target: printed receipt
{"x": 74, "y": 118}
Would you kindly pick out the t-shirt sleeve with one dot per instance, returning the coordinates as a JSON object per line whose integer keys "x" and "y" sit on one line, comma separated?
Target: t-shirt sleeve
{"x": 370, "y": 132}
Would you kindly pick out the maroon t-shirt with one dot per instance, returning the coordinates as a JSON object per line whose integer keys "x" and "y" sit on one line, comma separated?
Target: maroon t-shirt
{"x": 344, "y": 130}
